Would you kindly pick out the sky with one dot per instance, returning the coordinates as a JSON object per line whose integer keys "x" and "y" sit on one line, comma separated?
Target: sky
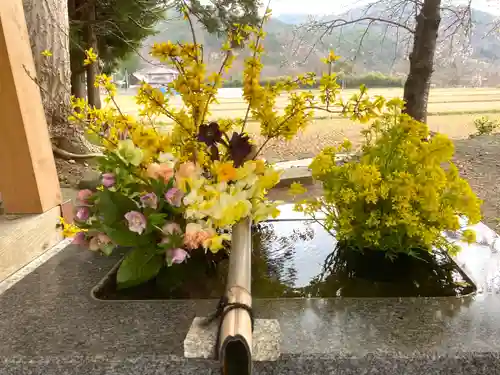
{"x": 325, "y": 7}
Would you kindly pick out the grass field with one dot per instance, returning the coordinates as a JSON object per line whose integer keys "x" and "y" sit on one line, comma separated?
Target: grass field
{"x": 451, "y": 111}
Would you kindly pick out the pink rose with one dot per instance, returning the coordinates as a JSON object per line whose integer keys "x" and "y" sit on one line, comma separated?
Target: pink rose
{"x": 84, "y": 195}
{"x": 99, "y": 241}
{"x": 160, "y": 171}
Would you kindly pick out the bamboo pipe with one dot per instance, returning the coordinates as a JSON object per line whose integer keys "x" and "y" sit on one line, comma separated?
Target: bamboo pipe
{"x": 235, "y": 340}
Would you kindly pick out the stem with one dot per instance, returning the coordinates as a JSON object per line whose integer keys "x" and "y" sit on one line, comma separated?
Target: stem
{"x": 257, "y": 42}
{"x": 213, "y": 86}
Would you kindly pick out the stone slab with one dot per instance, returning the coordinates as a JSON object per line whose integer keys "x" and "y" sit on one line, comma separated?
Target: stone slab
{"x": 201, "y": 340}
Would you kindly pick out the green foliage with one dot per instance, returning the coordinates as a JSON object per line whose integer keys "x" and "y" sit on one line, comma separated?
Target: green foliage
{"x": 484, "y": 125}
{"x": 400, "y": 195}
{"x": 120, "y": 28}
{"x": 373, "y": 79}
{"x": 219, "y": 17}
{"x": 139, "y": 266}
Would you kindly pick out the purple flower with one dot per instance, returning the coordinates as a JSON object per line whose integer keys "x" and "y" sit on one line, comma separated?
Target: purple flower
{"x": 210, "y": 134}
{"x": 108, "y": 180}
{"x": 80, "y": 239}
{"x": 82, "y": 214}
{"x": 149, "y": 200}
{"x": 176, "y": 256}
{"x": 174, "y": 197}
{"x": 136, "y": 221}
{"x": 239, "y": 148}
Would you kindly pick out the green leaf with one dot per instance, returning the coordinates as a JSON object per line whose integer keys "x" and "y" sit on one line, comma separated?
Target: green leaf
{"x": 122, "y": 236}
{"x": 157, "y": 219}
{"x": 139, "y": 266}
{"x": 173, "y": 241}
{"x": 113, "y": 206}
{"x": 108, "y": 249}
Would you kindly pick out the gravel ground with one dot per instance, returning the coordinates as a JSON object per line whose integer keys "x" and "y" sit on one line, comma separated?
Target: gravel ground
{"x": 478, "y": 160}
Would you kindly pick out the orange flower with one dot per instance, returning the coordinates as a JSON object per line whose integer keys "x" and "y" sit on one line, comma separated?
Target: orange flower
{"x": 226, "y": 172}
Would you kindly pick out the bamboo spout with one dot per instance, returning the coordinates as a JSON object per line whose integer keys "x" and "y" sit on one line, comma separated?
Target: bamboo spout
{"x": 235, "y": 340}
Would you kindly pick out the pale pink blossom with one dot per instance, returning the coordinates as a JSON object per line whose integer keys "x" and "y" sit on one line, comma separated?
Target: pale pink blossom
{"x": 136, "y": 221}
{"x": 82, "y": 214}
{"x": 99, "y": 241}
{"x": 149, "y": 200}
{"x": 176, "y": 256}
{"x": 174, "y": 197}
{"x": 108, "y": 180}
{"x": 171, "y": 228}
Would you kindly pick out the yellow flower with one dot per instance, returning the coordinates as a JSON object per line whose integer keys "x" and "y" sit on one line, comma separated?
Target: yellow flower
{"x": 269, "y": 180}
{"x": 296, "y": 189}
{"x": 260, "y": 166}
{"x": 469, "y": 236}
{"x": 46, "y": 53}
{"x": 90, "y": 57}
{"x": 216, "y": 243}
{"x": 225, "y": 172}
{"x": 69, "y": 230}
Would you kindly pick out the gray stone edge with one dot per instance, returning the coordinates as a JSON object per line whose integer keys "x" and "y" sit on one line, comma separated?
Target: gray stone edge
{"x": 201, "y": 340}
{"x": 24, "y": 271}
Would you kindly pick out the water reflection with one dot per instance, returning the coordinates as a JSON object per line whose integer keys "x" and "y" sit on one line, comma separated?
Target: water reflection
{"x": 298, "y": 258}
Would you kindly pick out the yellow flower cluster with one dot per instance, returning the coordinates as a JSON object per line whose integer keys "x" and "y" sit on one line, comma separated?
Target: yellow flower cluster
{"x": 90, "y": 57}
{"x": 219, "y": 194}
{"x": 232, "y": 194}
{"x": 401, "y": 194}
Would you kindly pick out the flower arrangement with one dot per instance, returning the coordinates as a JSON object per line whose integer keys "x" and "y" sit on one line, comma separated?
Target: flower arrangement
{"x": 167, "y": 192}
{"x": 399, "y": 195}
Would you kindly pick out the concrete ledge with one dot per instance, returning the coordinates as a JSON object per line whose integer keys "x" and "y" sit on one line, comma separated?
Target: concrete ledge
{"x": 298, "y": 171}
{"x": 25, "y": 237}
{"x": 201, "y": 340}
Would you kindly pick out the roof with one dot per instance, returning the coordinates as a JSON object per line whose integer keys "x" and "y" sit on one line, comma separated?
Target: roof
{"x": 156, "y": 70}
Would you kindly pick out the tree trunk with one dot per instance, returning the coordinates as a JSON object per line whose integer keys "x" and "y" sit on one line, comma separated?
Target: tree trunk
{"x": 78, "y": 81}
{"x": 417, "y": 86}
{"x": 93, "y": 95}
{"x": 78, "y": 78}
{"x": 48, "y": 29}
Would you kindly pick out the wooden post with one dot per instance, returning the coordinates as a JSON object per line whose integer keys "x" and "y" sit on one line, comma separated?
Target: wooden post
{"x": 28, "y": 176}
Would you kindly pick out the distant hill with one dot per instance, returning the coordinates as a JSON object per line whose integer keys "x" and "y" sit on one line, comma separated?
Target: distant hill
{"x": 383, "y": 50}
